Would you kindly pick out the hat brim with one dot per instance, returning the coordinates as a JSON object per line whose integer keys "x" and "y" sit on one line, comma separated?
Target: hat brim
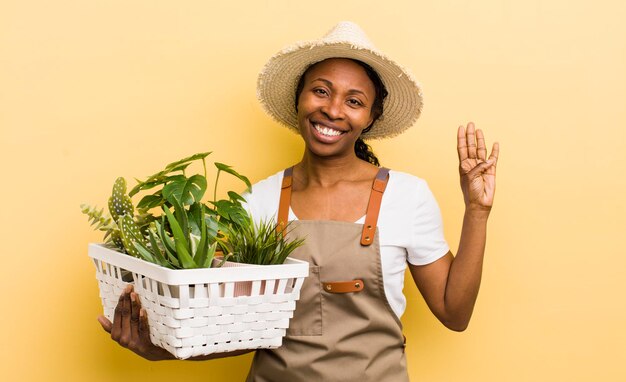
{"x": 279, "y": 78}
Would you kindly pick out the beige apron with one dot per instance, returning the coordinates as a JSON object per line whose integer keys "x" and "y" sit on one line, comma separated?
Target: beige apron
{"x": 343, "y": 328}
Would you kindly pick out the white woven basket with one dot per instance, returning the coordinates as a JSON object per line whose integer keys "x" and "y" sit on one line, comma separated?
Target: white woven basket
{"x": 195, "y": 312}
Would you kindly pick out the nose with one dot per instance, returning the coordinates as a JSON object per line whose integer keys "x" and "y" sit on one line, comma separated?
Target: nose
{"x": 333, "y": 108}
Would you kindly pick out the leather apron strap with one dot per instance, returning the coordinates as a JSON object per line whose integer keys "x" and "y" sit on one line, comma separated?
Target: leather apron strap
{"x": 373, "y": 206}
{"x": 285, "y": 200}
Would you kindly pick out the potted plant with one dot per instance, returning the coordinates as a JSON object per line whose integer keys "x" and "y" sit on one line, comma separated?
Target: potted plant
{"x": 173, "y": 259}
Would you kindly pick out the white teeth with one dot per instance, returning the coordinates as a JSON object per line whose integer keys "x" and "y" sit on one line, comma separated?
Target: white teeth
{"x": 327, "y": 131}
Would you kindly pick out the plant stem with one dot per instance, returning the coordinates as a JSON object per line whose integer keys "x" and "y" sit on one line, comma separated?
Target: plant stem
{"x": 204, "y": 166}
{"x": 215, "y": 189}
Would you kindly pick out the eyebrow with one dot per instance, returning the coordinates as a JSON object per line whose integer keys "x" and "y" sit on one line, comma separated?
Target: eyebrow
{"x": 330, "y": 84}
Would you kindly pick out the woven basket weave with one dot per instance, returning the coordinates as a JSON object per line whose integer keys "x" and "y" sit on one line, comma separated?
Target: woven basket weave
{"x": 195, "y": 312}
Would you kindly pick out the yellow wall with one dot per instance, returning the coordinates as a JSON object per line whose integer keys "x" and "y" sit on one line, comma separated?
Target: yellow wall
{"x": 92, "y": 90}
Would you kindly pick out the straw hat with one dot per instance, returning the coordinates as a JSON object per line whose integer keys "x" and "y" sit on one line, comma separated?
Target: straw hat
{"x": 278, "y": 80}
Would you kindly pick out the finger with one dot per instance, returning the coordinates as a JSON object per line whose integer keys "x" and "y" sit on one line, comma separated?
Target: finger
{"x": 481, "y": 149}
{"x": 125, "y": 333}
{"x": 135, "y": 307}
{"x": 480, "y": 169}
{"x": 495, "y": 152}
{"x": 105, "y": 323}
{"x": 116, "y": 330}
{"x": 144, "y": 329}
{"x": 493, "y": 159}
{"x": 471, "y": 141}
{"x": 461, "y": 144}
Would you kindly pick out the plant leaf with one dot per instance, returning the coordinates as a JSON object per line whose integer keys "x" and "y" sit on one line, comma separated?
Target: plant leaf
{"x": 153, "y": 181}
{"x": 186, "y": 191}
{"x": 144, "y": 253}
{"x": 201, "y": 250}
{"x": 151, "y": 201}
{"x": 168, "y": 243}
{"x": 188, "y": 159}
{"x": 229, "y": 169}
{"x": 181, "y": 167}
{"x": 233, "y": 212}
{"x": 211, "y": 225}
{"x": 180, "y": 241}
{"x": 181, "y": 218}
{"x": 156, "y": 250}
{"x": 208, "y": 260}
{"x": 235, "y": 197}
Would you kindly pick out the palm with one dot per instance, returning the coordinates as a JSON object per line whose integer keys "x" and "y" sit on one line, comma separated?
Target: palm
{"x": 478, "y": 174}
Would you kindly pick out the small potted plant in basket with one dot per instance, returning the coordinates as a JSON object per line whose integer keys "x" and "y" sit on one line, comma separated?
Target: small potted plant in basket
{"x": 175, "y": 259}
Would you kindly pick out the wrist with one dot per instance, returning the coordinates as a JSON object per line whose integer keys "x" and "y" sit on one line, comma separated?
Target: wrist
{"x": 477, "y": 213}
{"x": 157, "y": 353}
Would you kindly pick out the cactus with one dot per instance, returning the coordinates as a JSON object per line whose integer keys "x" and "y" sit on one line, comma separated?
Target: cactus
{"x": 123, "y": 212}
{"x": 116, "y": 239}
{"x": 129, "y": 234}
{"x": 120, "y": 203}
{"x": 121, "y": 228}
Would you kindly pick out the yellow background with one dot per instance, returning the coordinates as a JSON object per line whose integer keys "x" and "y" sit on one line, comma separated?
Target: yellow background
{"x": 92, "y": 90}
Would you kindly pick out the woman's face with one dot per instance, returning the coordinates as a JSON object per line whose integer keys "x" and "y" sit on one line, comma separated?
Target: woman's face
{"x": 334, "y": 106}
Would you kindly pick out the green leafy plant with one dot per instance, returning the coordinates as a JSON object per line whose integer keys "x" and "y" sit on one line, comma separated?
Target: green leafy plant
{"x": 258, "y": 243}
{"x": 186, "y": 233}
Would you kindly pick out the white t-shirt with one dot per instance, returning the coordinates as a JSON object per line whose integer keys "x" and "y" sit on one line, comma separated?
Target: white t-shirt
{"x": 409, "y": 224}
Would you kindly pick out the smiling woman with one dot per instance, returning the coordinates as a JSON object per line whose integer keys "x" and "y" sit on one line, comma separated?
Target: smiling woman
{"x": 361, "y": 149}
{"x": 362, "y": 223}
{"x": 334, "y": 107}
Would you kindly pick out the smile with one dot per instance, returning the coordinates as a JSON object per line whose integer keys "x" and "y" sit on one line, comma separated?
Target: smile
{"x": 327, "y": 131}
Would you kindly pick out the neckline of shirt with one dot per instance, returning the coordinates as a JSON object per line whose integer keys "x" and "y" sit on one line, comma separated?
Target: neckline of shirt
{"x": 292, "y": 216}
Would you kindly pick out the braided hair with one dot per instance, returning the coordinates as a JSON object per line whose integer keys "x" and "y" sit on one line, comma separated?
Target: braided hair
{"x": 362, "y": 150}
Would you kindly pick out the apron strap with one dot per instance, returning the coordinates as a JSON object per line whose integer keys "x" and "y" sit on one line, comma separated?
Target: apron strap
{"x": 285, "y": 200}
{"x": 373, "y": 206}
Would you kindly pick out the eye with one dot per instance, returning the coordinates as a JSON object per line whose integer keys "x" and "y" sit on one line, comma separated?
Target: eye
{"x": 355, "y": 102}
{"x": 320, "y": 91}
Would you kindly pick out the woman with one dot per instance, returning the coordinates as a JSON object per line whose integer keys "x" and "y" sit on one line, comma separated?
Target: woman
{"x": 362, "y": 224}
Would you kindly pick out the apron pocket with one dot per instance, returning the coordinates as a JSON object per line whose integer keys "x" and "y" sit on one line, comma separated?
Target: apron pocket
{"x": 307, "y": 318}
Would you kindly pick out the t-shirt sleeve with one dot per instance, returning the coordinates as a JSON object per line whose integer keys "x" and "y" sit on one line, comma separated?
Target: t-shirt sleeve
{"x": 427, "y": 242}
{"x": 262, "y": 201}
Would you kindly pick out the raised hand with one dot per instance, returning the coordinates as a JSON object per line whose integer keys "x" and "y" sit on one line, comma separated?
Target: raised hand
{"x": 478, "y": 174}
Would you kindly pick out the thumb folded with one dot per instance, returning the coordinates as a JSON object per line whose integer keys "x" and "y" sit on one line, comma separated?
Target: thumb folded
{"x": 481, "y": 167}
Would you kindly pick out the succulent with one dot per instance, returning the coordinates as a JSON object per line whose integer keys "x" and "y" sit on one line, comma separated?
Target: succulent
{"x": 103, "y": 222}
{"x": 116, "y": 239}
{"x": 120, "y": 203}
{"x": 258, "y": 243}
{"x": 130, "y": 234}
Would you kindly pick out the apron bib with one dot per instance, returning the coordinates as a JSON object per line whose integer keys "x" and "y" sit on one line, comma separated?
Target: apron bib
{"x": 343, "y": 328}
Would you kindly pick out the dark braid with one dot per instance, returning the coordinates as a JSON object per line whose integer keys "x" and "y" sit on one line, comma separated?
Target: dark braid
{"x": 361, "y": 149}
{"x": 364, "y": 151}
